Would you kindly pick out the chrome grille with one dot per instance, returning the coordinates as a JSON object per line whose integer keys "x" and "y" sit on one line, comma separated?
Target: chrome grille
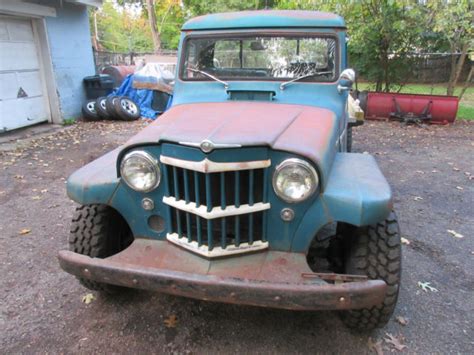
{"x": 216, "y": 208}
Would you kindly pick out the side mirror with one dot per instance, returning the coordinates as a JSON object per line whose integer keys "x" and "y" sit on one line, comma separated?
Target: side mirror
{"x": 346, "y": 79}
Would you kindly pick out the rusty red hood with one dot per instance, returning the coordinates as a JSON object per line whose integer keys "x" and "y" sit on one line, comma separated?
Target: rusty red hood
{"x": 303, "y": 130}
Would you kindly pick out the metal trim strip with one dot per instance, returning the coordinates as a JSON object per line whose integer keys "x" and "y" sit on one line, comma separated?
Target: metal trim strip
{"x": 216, "y": 251}
{"x": 208, "y": 166}
{"x": 216, "y": 212}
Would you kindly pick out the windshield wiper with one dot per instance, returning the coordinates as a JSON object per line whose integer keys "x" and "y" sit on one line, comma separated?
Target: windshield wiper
{"x": 226, "y": 84}
{"x": 282, "y": 85}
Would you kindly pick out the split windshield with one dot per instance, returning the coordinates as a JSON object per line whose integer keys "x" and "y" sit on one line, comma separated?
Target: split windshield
{"x": 260, "y": 58}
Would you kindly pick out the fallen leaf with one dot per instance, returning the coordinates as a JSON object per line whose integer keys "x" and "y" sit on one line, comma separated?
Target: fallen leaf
{"x": 36, "y": 198}
{"x": 401, "y": 320}
{"x": 88, "y": 298}
{"x": 455, "y": 234}
{"x": 19, "y": 177}
{"x": 375, "y": 346}
{"x": 418, "y": 198}
{"x": 405, "y": 241}
{"x": 426, "y": 286}
{"x": 171, "y": 321}
{"x": 25, "y": 231}
{"x": 396, "y": 342}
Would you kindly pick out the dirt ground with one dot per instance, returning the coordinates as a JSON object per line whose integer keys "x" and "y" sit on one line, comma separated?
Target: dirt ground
{"x": 431, "y": 171}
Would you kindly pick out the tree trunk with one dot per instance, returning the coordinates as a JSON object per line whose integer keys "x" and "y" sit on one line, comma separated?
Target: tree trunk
{"x": 459, "y": 65}
{"x": 468, "y": 81}
{"x": 150, "y": 4}
{"x": 452, "y": 70}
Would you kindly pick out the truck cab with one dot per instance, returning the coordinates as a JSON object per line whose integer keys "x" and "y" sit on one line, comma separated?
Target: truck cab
{"x": 244, "y": 191}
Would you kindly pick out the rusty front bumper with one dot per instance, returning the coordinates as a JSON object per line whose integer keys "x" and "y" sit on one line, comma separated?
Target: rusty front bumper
{"x": 267, "y": 279}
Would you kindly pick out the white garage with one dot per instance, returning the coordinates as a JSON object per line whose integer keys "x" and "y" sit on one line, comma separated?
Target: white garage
{"x": 45, "y": 52}
{"x": 23, "y": 94}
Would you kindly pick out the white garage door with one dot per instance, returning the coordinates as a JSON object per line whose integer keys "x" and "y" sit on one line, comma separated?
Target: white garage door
{"x": 22, "y": 94}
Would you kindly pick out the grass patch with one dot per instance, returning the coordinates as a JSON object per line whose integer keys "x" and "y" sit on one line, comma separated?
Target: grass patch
{"x": 466, "y": 112}
{"x": 69, "y": 121}
{"x": 466, "y": 105}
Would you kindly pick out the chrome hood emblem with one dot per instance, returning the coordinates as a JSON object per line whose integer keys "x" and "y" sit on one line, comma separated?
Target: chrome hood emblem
{"x": 208, "y": 146}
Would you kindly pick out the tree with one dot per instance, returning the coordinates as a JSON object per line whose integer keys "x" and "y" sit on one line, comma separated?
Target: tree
{"x": 150, "y": 4}
{"x": 120, "y": 29}
{"x": 199, "y": 7}
{"x": 454, "y": 21}
{"x": 382, "y": 34}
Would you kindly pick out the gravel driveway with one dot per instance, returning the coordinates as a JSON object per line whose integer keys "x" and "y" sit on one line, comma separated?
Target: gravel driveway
{"x": 431, "y": 171}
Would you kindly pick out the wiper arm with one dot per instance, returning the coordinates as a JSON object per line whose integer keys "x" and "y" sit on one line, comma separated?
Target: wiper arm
{"x": 282, "y": 85}
{"x": 226, "y": 84}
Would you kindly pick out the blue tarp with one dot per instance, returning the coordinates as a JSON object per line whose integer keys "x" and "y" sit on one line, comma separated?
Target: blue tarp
{"x": 142, "y": 97}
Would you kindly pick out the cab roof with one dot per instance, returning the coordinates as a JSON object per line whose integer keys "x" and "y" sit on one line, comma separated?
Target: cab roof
{"x": 265, "y": 19}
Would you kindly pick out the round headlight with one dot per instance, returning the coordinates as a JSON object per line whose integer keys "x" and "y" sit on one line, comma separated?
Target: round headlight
{"x": 140, "y": 171}
{"x": 295, "y": 180}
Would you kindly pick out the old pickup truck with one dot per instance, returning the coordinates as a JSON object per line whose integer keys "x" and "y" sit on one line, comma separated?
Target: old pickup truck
{"x": 244, "y": 191}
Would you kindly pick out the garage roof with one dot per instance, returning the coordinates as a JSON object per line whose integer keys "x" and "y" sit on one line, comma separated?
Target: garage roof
{"x": 95, "y": 3}
{"x": 265, "y": 19}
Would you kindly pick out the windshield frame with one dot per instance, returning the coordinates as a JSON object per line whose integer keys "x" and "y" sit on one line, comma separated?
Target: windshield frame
{"x": 269, "y": 33}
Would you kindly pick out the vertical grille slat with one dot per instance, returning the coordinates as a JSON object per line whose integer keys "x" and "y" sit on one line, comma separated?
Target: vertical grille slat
{"x": 224, "y": 189}
{"x": 237, "y": 189}
{"x": 208, "y": 193}
{"x": 166, "y": 182}
{"x": 237, "y": 230}
{"x": 264, "y": 185}
{"x": 210, "y": 241}
{"x": 223, "y": 233}
{"x": 188, "y": 226}
{"x": 251, "y": 186}
{"x": 186, "y": 185}
{"x": 250, "y": 228}
{"x": 223, "y": 196}
{"x": 199, "y": 230}
{"x": 196, "y": 189}
{"x": 178, "y": 222}
{"x": 175, "y": 183}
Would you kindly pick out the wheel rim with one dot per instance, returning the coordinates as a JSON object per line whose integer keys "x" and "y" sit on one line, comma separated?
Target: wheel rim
{"x": 129, "y": 106}
{"x": 91, "y": 107}
{"x": 102, "y": 104}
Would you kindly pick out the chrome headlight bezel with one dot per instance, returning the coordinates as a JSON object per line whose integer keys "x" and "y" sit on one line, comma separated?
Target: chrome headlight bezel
{"x": 302, "y": 164}
{"x": 152, "y": 164}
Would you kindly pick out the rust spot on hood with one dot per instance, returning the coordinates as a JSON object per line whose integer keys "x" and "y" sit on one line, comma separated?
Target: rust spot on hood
{"x": 303, "y": 130}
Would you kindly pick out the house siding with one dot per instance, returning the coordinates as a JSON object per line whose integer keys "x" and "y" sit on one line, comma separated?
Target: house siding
{"x": 71, "y": 54}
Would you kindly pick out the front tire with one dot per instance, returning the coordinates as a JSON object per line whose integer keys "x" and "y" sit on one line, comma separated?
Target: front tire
{"x": 98, "y": 231}
{"x": 375, "y": 252}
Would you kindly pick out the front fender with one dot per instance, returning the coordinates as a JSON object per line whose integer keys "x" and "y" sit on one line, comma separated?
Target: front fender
{"x": 95, "y": 182}
{"x": 357, "y": 193}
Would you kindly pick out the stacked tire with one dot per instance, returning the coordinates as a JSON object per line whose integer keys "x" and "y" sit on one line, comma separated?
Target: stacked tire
{"x": 111, "y": 107}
